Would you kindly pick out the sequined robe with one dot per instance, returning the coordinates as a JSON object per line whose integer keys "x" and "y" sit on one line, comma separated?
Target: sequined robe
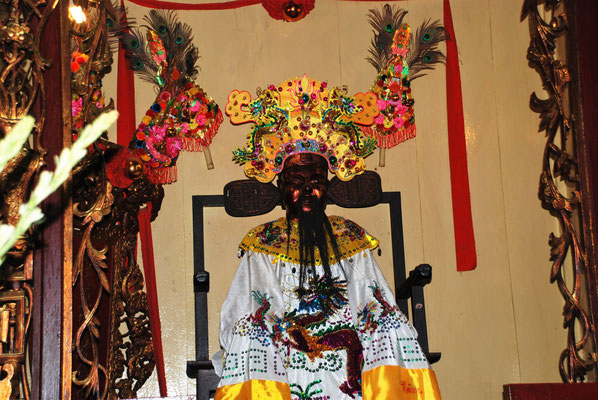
{"x": 344, "y": 339}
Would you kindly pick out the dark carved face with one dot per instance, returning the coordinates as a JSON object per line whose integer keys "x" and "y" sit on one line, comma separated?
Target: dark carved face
{"x": 303, "y": 182}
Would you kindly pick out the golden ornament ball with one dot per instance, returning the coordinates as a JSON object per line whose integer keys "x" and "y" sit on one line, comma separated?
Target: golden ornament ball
{"x": 133, "y": 167}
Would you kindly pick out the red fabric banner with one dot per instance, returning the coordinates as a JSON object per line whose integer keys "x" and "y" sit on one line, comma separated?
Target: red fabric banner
{"x": 169, "y": 5}
{"x": 225, "y": 5}
{"x": 125, "y": 98}
{"x": 462, "y": 219}
{"x": 149, "y": 270}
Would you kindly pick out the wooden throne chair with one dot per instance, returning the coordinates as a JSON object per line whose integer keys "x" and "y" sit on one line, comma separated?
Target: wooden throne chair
{"x": 244, "y": 198}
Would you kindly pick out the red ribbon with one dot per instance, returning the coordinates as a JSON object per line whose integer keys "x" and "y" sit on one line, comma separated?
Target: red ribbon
{"x": 149, "y": 269}
{"x": 462, "y": 220}
{"x": 125, "y": 98}
{"x": 169, "y": 5}
{"x": 225, "y": 5}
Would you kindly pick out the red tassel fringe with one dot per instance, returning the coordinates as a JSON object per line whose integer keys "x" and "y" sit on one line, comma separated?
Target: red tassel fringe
{"x": 387, "y": 141}
{"x": 162, "y": 175}
{"x": 149, "y": 271}
{"x": 199, "y": 144}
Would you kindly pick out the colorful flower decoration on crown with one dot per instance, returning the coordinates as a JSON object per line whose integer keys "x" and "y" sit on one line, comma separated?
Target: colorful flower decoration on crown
{"x": 303, "y": 115}
{"x": 183, "y": 116}
{"x": 399, "y": 57}
{"x": 185, "y": 121}
{"x": 396, "y": 121}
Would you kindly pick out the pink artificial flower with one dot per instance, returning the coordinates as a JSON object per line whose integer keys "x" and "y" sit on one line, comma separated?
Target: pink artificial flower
{"x": 201, "y": 120}
{"x": 195, "y": 107}
{"x": 174, "y": 145}
{"x": 157, "y": 132}
{"x": 382, "y": 104}
{"x": 401, "y": 109}
{"x": 398, "y": 123}
{"x": 184, "y": 128}
{"x": 149, "y": 140}
{"x": 77, "y": 106}
{"x": 379, "y": 120}
{"x": 165, "y": 96}
{"x": 154, "y": 153}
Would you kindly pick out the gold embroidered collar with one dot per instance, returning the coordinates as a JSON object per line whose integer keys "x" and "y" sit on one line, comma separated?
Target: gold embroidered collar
{"x": 271, "y": 238}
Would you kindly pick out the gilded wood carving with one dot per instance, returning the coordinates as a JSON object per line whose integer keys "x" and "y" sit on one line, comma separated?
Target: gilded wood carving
{"x": 113, "y": 338}
{"x": 21, "y": 84}
{"x": 113, "y": 354}
{"x": 559, "y": 182}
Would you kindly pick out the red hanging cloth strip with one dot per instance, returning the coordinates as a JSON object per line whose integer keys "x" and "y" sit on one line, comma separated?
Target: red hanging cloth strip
{"x": 464, "y": 238}
{"x": 149, "y": 270}
{"x": 223, "y": 5}
{"x": 125, "y": 98}
{"x": 169, "y": 5}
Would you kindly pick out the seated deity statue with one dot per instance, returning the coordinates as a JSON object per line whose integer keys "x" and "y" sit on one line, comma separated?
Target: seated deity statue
{"x": 309, "y": 314}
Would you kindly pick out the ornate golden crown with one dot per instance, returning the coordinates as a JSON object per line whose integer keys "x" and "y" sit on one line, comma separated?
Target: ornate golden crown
{"x": 303, "y": 115}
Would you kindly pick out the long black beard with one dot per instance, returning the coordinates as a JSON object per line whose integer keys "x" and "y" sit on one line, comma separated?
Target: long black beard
{"x": 315, "y": 231}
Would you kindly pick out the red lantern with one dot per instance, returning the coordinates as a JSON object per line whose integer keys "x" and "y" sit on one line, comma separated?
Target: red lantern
{"x": 289, "y": 11}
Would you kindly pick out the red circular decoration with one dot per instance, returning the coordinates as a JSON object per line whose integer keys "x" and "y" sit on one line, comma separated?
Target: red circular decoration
{"x": 123, "y": 167}
{"x": 288, "y": 10}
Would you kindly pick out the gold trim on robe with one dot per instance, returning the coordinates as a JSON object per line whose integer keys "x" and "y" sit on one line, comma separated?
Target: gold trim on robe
{"x": 255, "y": 389}
{"x": 391, "y": 382}
{"x": 271, "y": 238}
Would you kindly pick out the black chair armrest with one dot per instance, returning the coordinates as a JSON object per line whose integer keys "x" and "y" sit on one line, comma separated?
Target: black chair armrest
{"x": 419, "y": 276}
{"x": 413, "y": 288}
{"x": 207, "y": 380}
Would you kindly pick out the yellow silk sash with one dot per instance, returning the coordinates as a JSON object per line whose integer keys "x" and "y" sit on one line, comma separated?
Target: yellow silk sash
{"x": 391, "y": 382}
{"x": 255, "y": 389}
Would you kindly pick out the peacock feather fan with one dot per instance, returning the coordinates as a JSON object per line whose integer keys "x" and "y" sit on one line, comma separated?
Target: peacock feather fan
{"x": 385, "y": 23}
{"x": 182, "y": 117}
{"x": 399, "y": 57}
{"x": 117, "y": 23}
{"x": 165, "y": 55}
{"x": 423, "y": 52}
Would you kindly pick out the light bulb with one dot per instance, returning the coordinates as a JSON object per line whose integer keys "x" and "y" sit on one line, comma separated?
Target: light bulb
{"x": 76, "y": 13}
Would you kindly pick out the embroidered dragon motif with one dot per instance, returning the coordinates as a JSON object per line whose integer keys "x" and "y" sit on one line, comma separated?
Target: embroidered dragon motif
{"x": 322, "y": 299}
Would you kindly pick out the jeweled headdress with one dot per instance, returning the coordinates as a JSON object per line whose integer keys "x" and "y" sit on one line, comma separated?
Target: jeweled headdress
{"x": 303, "y": 115}
{"x": 183, "y": 116}
{"x": 399, "y": 57}
{"x": 396, "y": 122}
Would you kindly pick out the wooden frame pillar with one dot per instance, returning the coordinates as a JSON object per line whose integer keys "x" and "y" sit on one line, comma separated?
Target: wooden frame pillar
{"x": 583, "y": 62}
{"x": 51, "y": 333}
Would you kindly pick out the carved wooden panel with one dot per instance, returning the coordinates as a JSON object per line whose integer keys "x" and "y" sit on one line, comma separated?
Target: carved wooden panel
{"x": 363, "y": 190}
{"x": 550, "y": 391}
{"x": 248, "y": 197}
